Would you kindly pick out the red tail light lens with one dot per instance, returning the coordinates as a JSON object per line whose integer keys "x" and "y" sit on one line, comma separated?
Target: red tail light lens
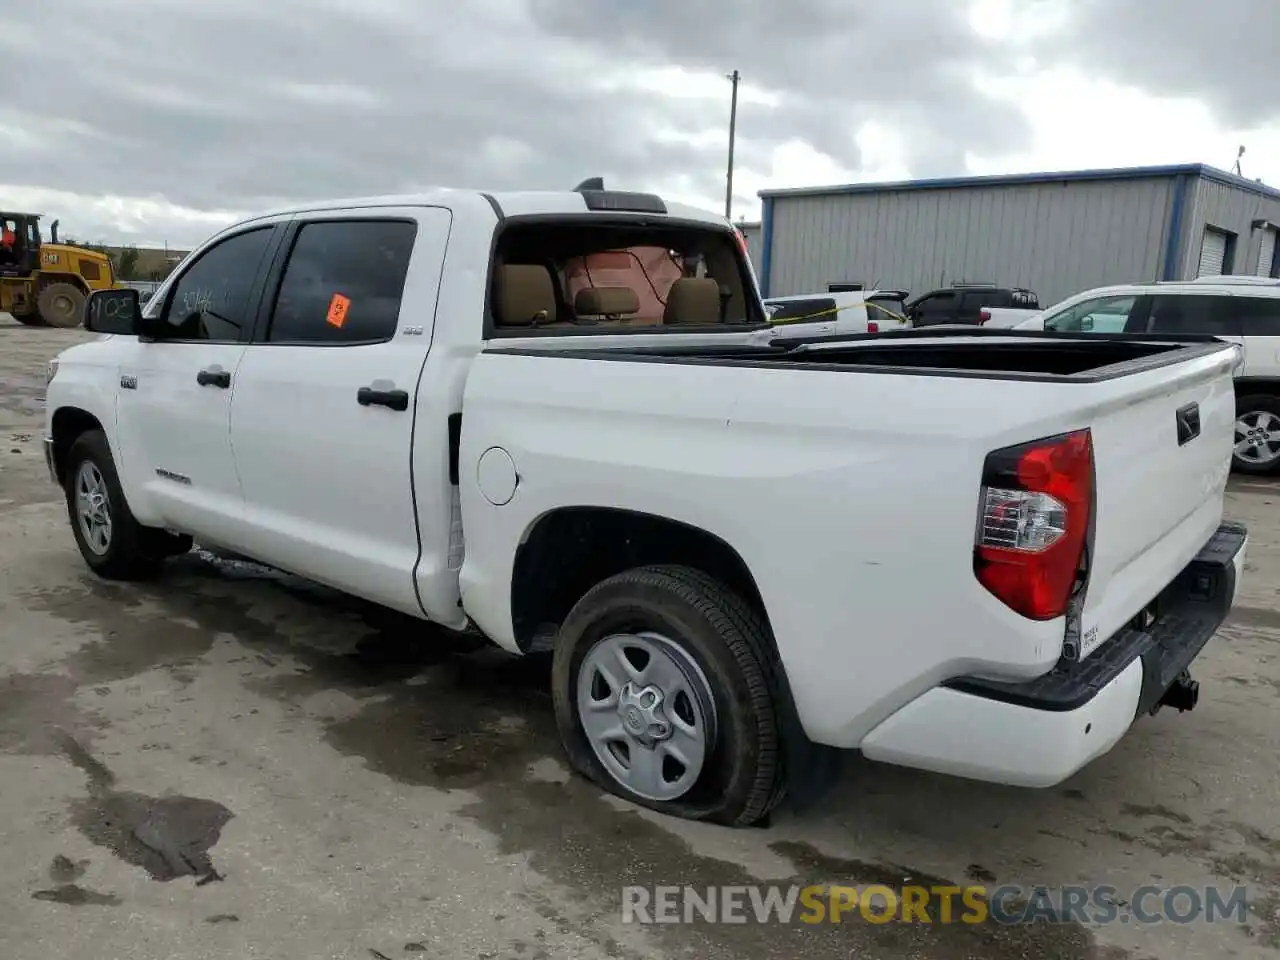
{"x": 1034, "y": 510}
{"x": 983, "y": 316}
{"x": 873, "y": 327}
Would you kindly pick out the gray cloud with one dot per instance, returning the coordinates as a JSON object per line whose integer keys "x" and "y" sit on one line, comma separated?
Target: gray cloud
{"x": 246, "y": 104}
{"x": 1223, "y": 53}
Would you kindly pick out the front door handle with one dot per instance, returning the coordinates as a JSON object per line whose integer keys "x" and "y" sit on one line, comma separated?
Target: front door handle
{"x": 395, "y": 399}
{"x": 214, "y": 377}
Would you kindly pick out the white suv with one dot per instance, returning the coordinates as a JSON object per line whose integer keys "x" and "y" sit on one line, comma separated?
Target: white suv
{"x": 1244, "y": 310}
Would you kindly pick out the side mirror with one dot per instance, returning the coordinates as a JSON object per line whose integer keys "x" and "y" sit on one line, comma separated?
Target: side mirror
{"x": 113, "y": 311}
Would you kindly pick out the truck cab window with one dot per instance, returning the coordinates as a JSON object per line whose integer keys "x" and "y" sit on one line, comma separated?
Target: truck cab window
{"x": 574, "y": 274}
{"x": 343, "y": 282}
{"x": 210, "y": 301}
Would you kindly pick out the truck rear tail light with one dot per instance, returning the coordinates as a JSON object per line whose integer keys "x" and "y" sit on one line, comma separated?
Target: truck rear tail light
{"x": 873, "y": 327}
{"x": 1033, "y": 522}
{"x": 983, "y": 316}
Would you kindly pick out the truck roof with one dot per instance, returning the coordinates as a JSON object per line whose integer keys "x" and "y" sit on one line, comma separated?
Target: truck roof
{"x": 512, "y": 203}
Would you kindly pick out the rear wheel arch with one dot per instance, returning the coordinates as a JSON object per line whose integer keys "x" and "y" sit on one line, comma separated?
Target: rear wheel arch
{"x": 567, "y": 551}
{"x": 1255, "y": 386}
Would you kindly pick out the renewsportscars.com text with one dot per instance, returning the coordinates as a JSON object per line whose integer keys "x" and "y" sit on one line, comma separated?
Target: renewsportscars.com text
{"x": 1099, "y": 904}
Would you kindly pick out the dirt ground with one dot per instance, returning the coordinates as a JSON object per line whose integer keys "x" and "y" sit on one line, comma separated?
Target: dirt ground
{"x": 231, "y": 763}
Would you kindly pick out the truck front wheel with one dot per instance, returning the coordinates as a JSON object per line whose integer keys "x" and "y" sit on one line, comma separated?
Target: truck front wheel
{"x": 662, "y": 696}
{"x": 111, "y": 540}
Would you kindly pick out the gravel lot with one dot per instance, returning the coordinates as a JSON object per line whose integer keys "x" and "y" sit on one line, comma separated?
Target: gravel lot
{"x": 231, "y": 763}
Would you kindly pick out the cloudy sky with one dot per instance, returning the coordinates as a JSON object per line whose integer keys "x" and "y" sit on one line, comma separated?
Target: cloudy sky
{"x": 153, "y": 121}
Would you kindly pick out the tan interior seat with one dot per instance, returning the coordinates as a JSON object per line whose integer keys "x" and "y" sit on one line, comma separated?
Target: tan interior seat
{"x": 526, "y": 296}
{"x": 693, "y": 300}
{"x": 612, "y": 303}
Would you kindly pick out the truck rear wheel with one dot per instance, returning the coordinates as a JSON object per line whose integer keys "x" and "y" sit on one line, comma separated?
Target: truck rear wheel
{"x": 111, "y": 540}
{"x": 1257, "y": 437}
{"x": 662, "y": 696}
{"x": 61, "y": 305}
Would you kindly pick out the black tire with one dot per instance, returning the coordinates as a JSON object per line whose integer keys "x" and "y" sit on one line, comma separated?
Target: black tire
{"x": 1245, "y": 406}
{"x": 741, "y": 780}
{"x": 133, "y": 552}
{"x": 61, "y": 305}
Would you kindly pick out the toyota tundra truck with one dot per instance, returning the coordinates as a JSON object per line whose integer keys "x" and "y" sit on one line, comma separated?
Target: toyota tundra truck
{"x": 980, "y": 553}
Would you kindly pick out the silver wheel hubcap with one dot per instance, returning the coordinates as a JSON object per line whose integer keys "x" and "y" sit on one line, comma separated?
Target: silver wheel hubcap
{"x": 1257, "y": 437}
{"x": 93, "y": 507}
{"x": 648, "y": 712}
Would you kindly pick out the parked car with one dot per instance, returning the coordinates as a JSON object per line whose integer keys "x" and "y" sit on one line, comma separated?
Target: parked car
{"x": 964, "y": 303}
{"x": 808, "y": 315}
{"x": 712, "y": 531}
{"x": 1243, "y": 310}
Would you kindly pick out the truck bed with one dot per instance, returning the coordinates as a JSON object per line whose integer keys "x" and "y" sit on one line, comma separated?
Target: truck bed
{"x": 998, "y": 354}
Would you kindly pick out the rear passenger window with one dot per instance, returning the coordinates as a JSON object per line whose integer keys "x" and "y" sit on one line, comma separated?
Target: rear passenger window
{"x": 1259, "y": 316}
{"x": 1212, "y": 315}
{"x": 343, "y": 282}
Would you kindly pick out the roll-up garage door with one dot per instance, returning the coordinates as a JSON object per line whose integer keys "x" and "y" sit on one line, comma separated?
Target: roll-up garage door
{"x": 1267, "y": 252}
{"x": 1213, "y": 252}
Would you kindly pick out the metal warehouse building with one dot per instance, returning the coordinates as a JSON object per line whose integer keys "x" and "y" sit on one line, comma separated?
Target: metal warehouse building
{"x": 1056, "y": 233}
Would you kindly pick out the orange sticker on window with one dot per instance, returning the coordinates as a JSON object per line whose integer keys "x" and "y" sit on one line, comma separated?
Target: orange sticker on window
{"x": 338, "y": 306}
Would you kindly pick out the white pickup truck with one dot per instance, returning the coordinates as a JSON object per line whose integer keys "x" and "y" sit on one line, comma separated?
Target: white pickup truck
{"x": 981, "y": 556}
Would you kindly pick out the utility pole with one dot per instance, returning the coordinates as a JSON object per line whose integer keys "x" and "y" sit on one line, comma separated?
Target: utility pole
{"x": 733, "y": 130}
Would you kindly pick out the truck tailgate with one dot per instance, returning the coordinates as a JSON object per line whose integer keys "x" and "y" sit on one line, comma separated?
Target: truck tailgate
{"x": 1162, "y": 452}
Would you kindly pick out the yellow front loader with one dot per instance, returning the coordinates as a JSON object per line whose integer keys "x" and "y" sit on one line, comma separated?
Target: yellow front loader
{"x": 46, "y": 284}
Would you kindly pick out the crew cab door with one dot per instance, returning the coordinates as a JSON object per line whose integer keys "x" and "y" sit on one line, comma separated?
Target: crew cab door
{"x": 175, "y": 388}
{"x": 322, "y": 422}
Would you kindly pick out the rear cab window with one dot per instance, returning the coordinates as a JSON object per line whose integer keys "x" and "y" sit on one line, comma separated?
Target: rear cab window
{"x": 601, "y": 273}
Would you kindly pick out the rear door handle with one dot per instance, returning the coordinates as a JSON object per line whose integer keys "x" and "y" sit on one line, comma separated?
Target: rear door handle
{"x": 214, "y": 377}
{"x": 395, "y": 399}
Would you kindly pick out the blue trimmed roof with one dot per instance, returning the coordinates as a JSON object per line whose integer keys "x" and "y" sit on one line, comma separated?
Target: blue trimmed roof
{"x": 1202, "y": 170}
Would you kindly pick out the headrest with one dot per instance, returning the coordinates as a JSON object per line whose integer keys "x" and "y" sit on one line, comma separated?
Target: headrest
{"x": 606, "y": 302}
{"x": 526, "y": 295}
{"x": 693, "y": 301}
